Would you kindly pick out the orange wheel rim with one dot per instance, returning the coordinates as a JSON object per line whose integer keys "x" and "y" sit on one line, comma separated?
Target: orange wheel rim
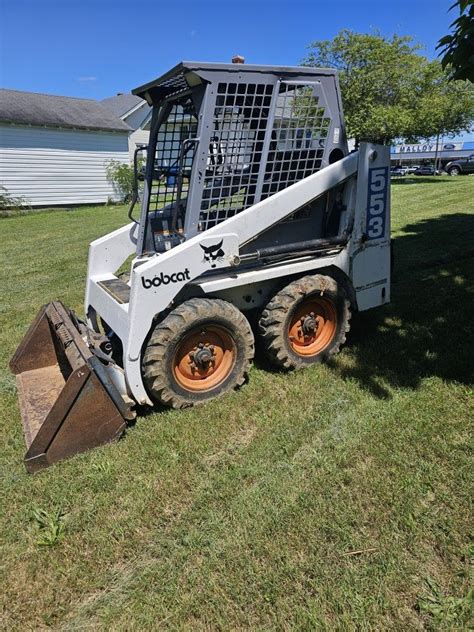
{"x": 312, "y": 326}
{"x": 204, "y": 358}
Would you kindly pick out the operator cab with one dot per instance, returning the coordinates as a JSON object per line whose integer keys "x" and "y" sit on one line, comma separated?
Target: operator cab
{"x": 226, "y": 136}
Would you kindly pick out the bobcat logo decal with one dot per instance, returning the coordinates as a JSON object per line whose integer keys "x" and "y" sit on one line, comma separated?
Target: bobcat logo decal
{"x": 213, "y": 253}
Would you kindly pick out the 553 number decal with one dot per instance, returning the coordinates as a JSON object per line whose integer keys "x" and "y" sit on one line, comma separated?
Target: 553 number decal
{"x": 377, "y": 202}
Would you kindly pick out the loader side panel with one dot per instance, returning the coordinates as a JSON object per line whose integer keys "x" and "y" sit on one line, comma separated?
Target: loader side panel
{"x": 37, "y": 349}
{"x": 371, "y": 242}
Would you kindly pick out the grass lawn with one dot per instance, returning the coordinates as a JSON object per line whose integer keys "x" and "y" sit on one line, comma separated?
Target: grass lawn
{"x": 334, "y": 498}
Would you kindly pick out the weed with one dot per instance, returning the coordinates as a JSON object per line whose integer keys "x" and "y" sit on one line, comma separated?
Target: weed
{"x": 10, "y": 204}
{"x": 444, "y": 610}
{"x": 50, "y": 524}
{"x": 103, "y": 467}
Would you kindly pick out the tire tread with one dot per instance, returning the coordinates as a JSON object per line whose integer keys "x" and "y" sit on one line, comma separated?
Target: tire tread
{"x": 175, "y": 325}
{"x": 273, "y": 321}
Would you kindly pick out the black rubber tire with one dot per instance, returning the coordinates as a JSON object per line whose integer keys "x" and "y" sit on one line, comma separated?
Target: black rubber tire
{"x": 276, "y": 317}
{"x": 158, "y": 357}
{"x": 454, "y": 171}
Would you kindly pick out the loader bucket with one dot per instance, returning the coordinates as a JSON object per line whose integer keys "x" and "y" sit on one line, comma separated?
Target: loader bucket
{"x": 68, "y": 403}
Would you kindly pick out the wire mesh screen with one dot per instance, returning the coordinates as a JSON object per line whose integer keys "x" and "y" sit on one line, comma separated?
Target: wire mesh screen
{"x": 234, "y": 157}
{"x": 259, "y": 143}
{"x": 299, "y": 135}
{"x": 173, "y": 159}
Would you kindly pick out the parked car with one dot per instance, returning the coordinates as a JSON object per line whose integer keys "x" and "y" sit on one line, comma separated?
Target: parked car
{"x": 412, "y": 168}
{"x": 460, "y": 166}
{"x": 427, "y": 170}
{"x": 398, "y": 170}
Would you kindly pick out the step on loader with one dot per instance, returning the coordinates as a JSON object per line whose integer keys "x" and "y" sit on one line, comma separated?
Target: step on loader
{"x": 252, "y": 210}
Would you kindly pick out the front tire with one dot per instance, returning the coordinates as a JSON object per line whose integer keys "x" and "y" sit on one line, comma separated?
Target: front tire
{"x": 305, "y": 323}
{"x": 454, "y": 171}
{"x": 201, "y": 350}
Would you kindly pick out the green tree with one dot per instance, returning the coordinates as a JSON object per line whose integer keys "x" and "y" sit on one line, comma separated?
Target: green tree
{"x": 444, "y": 107}
{"x": 386, "y": 85}
{"x": 458, "y": 47}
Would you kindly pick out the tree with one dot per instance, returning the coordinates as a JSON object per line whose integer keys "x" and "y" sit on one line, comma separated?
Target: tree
{"x": 445, "y": 107}
{"x": 458, "y": 48}
{"x": 390, "y": 91}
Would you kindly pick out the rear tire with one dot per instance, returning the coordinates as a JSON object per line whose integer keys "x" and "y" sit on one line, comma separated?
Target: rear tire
{"x": 305, "y": 323}
{"x": 201, "y": 350}
{"x": 454, "y": 171}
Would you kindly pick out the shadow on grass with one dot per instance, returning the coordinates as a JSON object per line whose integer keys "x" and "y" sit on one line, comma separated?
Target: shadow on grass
{"x": 427, "y": 329}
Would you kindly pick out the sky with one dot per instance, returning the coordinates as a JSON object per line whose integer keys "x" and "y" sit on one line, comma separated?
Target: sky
{"x": 97, "y": 48}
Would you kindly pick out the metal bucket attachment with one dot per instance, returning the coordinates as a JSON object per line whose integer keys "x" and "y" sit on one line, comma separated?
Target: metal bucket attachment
{"x": 68, "y": 402}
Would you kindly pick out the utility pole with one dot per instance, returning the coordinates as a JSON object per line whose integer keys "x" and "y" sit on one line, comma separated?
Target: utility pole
{"x": 436, "y": 154}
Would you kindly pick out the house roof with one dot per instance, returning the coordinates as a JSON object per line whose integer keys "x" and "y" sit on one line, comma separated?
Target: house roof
{"x": 32, "y": 108}
{"x": 122, "y": 103}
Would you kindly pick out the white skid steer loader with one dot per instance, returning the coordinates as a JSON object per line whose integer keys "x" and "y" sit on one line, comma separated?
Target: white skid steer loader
{"x": 252, "y": 211}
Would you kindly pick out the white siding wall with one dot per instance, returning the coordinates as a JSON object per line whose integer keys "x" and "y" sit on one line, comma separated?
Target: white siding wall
{"x": 59, "y": 166}
{"x": 138, "y": 137}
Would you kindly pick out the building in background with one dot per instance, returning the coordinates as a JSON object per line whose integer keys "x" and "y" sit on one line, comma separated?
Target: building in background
{"x": 54, "y": 150}
{"x": 426, "y": 152}
{"x": 136, "y": 113}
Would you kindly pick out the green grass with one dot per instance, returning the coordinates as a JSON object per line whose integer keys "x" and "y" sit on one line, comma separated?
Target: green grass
{"x": 334, "y": 498}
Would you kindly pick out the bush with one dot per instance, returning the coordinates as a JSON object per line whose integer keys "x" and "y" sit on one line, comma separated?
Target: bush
{"x": 11, "y": 205}
{"x": 121, "y": 175}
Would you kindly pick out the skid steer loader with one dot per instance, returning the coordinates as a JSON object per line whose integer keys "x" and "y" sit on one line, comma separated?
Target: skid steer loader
{"x": 253, "y": 210}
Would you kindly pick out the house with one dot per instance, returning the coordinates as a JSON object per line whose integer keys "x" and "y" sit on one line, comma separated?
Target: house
{"x": 136, "y": 113}
{"x": 54, "y": 149}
